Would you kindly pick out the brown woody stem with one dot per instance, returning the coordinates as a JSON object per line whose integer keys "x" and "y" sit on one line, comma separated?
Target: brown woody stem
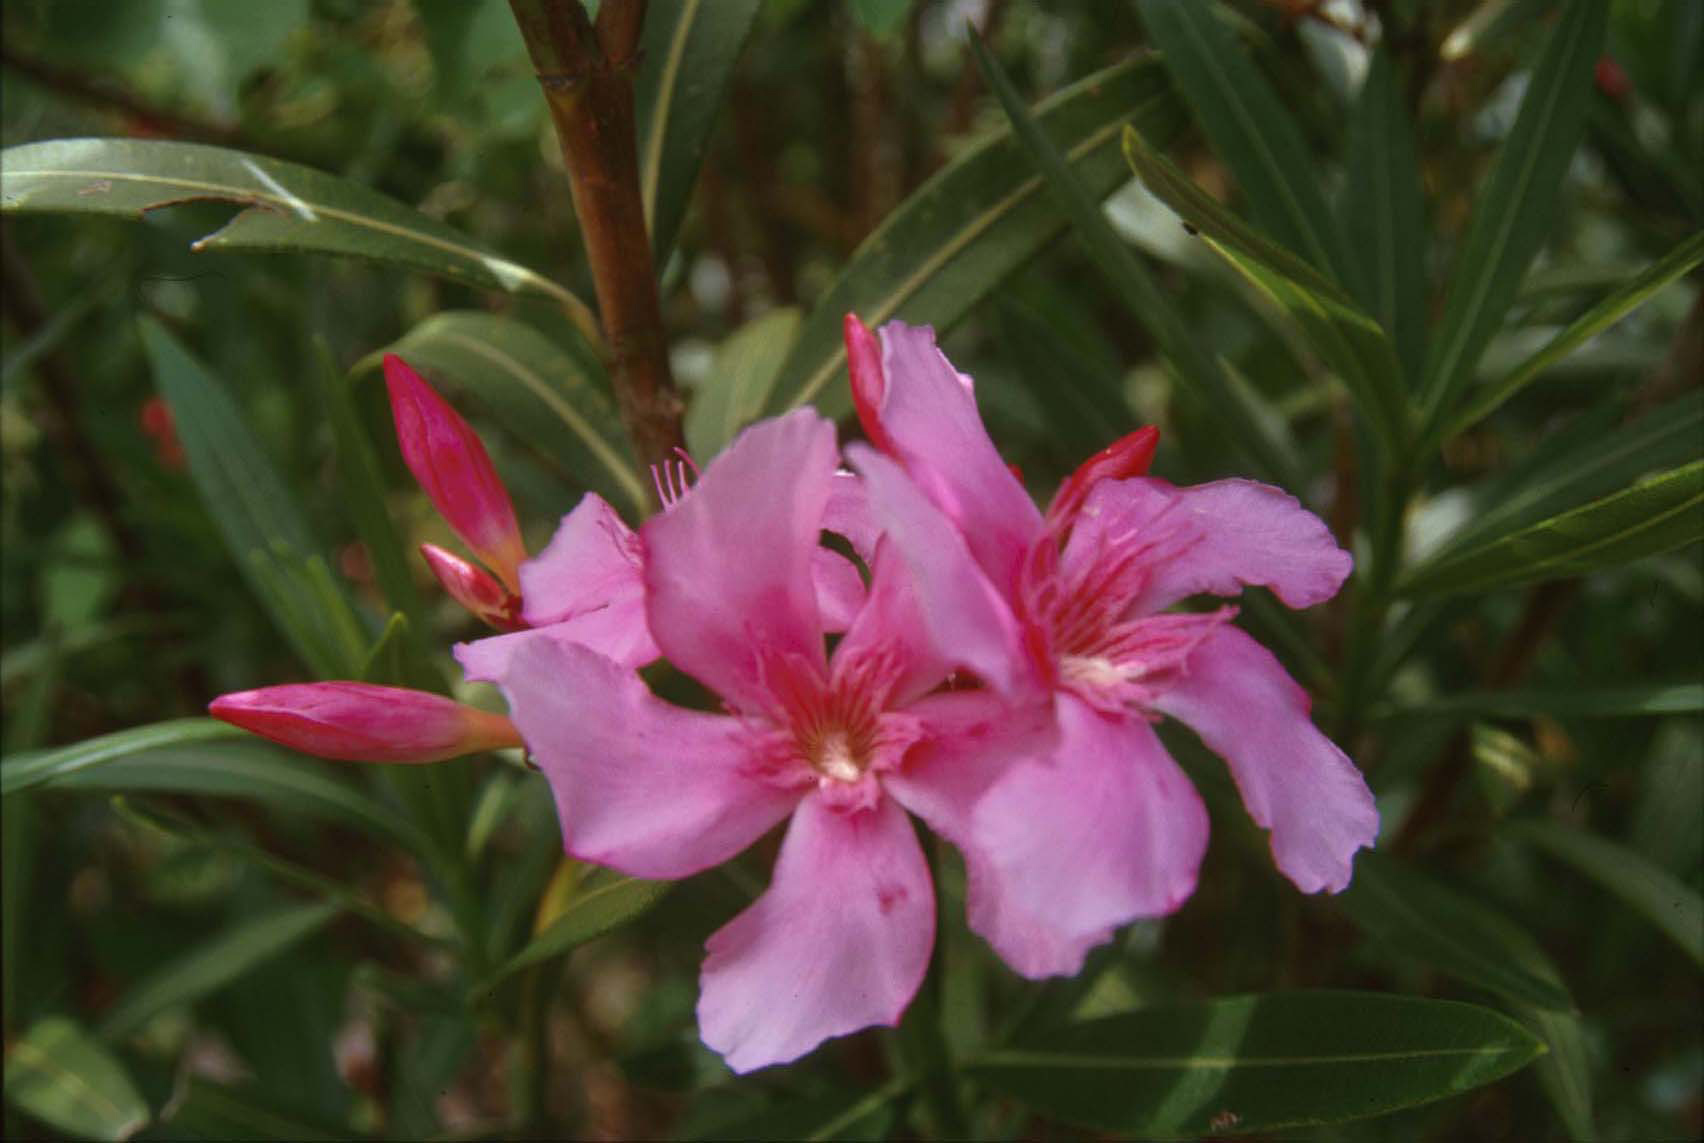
{"x": 587, "y": 76}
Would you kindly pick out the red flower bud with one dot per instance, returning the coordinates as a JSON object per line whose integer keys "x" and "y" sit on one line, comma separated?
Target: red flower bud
{"x": 869, "y": 384}
{"x": 447, "y": 459}
{"x": 1126, "y": 457}
{"x": 361, "y": 722}
{"x": 470, "y": 586}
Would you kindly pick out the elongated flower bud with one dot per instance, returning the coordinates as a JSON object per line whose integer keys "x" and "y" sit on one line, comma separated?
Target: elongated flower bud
{"x": 869, "y": 384}
{"x": 447, "y": 459}
{"x": 473, "y": 588}
{"x": 361, "y": 722}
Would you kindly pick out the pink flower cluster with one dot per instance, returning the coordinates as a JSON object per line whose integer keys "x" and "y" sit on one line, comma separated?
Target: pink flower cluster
{"x": 997, "y": 673}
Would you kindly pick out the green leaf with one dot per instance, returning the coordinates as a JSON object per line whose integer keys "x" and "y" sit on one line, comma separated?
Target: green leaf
{"x": 831, "y": 1116}
{"x": 1662, "y": 512}
{"x": 688, "y": 51}
{"x": 1665, "y": 900}
{"x": 545, "y": 394}
{"x": 881, "y": 18}
{"x": 1586, "y": 460}
{"x": 51, "y": 767}
{"x": 1248, "y": 127}
{"x": 1623, "y": 301}
{"x": 1385, "y": 216}
{"x": 1417, "y": 917}
{"x": 1147, "y": 303}
{"x": 255, "y": 513}
{"x": 208, "y": 1110}
{"x": 1352, "y": 343}
{"x": 1634, "y": 700}
{"x": 745, "y": 370}
{"x": 362, "y": 483}
{"x": 286, "y": 207}
{"x": 1512, "y": 217}
{"x": 1257, "y": 1063}
{"x": 978, "y": 219}
{"x": 216, "y": 963}
{"x": 66, "y": 1078}
{"x": 602, "y": 901}
{"x": 202, "y": 756}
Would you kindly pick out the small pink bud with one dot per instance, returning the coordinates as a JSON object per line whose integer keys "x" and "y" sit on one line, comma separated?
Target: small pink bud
{"x": 1126, "y": 457}
{"x": 361, "y": 722}
{"x": 473, "y": 588}
{"x": 447, "y": 459}
{"x": 869, "y": 384}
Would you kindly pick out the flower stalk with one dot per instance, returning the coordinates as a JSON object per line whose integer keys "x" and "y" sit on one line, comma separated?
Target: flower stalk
{"x": 586, "y": 72}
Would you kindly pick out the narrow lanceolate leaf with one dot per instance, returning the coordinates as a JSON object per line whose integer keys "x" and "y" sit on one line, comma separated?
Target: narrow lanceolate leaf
{"x": 603, "y": 900}
{"x": 848, "y": 1115}
{"x": 269, "y": 540}
{"x": 1586, "y": 460}
{"x": 285, "y": 206}
{"x": 1384, "y": 215}
{"x": 1623, "y": 301}
{"x": 1665, "y": 900}
{"x": 1654, "y": 515}
{"x": 1148, "y": 304}
{"x": 544, "y": 393}
{"x": 201, "y": 756}
{"x": 67, "y": 1079}
{"x": 1257, "y": 1063}
{"x": 363, "y": 486}
{"x": 744, "y": 372}
{"x": 1246, "y": 122}
{"x": 688, "y": 53}
{"x": 1511, "y": 218}
{"x": 1349, "y": 340}
{"x": 1635, "y": 700}
{"x": 237, "y": 950}
{"x": 978, "y": 219}
{"x": 1416, "y": 917}
{"x": 19, "y": 772}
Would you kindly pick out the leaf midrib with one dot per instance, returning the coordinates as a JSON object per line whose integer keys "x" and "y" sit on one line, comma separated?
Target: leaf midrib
{"x": 253, "y": 197}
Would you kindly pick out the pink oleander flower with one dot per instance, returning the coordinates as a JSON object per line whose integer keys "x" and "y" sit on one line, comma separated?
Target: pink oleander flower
{"x": 841, "y": 939}
{"x": 1103, "y": 827}
{"x": 361, "y": 722}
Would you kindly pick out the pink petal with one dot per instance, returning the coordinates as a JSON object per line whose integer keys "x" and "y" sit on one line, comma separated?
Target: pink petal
{"x": 617, "y": 632}
{"x": 362, "y": 722}
{"x": 928, "y": 418}
{"x": 840, "y": 940}
{"x": 968, "y": 621}
{"x": 1226, "y": 535}
{"x": 839, "y": 589}
{"x": 642, "y": 786}
{"x": 1293, "y": 779}
{"x": 728, "y": 579}
{"x": 446, "y": 457}
{"x": 890, "y": 628}
{"x": 848, "y": 514}
{"x": 1065, "y": 848}
{"x": 593, "y": 561}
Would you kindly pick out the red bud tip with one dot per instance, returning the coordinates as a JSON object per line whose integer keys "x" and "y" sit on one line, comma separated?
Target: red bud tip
{"x": 473, "y": 588}
{"x": 451, "y": 464}
{"x": 361, "y": 722}
{"x": 1126, "y": 457}
{"x": 869, "y": 385}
